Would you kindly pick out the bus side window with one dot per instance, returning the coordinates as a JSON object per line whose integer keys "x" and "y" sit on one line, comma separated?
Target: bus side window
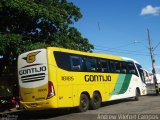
{"x": 91, "y": 64}
{"x": 112, "y": 66}
{"x": 76, "y": 63}
{"x": 123, "y": 68}
{"x": 104, "y": 65}
{"x": 131, "y": 69}
{"x": 115, "y": 66}
{"x": 62, "y": 60}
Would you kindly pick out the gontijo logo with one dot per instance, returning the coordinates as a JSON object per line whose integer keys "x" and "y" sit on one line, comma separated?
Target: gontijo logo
{"x": 31, "y": 57}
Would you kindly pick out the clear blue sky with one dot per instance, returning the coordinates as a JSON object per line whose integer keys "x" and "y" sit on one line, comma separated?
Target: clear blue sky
{"x": 120, "y": 27}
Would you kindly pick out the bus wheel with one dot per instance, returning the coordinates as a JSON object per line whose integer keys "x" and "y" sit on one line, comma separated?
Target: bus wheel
{"x": 84, "y": 103}
{"x": 137, "y": 92}
{"x": 96, "y": 100}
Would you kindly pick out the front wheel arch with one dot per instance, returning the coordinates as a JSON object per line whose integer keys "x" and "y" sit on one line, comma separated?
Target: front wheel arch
{"x": 137, "y": 94}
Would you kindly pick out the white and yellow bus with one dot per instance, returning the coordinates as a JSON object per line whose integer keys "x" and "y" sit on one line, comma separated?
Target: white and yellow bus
{"x": 59, "y": 78}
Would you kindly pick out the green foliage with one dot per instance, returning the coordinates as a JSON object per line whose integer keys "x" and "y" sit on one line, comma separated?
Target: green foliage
{"x": 32, "y": 24}
{"x": 8, "y": 42}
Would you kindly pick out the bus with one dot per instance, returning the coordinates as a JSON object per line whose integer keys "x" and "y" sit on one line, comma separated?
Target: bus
{"x": 61, "y": 78}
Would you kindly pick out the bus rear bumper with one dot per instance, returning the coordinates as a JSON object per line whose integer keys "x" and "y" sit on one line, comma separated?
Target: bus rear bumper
{"x": 38, "y": 105}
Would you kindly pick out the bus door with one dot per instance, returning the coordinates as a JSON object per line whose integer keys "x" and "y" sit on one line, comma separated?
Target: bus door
{"x": 142, "y": 83}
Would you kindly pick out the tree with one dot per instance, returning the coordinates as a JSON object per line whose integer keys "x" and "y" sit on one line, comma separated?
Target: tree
{"x": 31, "y": 24}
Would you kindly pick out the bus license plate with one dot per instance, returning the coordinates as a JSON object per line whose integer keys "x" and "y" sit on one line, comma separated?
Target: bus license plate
{"x": 34, "y": 105}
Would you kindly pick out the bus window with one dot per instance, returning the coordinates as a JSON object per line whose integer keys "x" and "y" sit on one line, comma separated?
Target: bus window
{"x": 91, "y": 64}
{"x": 62, "y": 60}
{"x": 115, "y": 66}
{"x": 142, "y": 75}
{"x": 75, "y": 63}
{"x": 131, "y": 69}
{"x": 123, "y": 68}
{"x": 104, "y": 65}
{"x": 112, "y": 66}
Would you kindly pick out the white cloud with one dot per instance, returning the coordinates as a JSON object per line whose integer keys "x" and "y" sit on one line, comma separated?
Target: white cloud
{"x": 150, "y": 10}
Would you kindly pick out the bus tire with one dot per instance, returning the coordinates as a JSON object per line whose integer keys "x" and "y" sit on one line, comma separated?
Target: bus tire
{"x": 84, "y": 103}
{"x": 137, "y": 94}
{"x": 96, "y": 101}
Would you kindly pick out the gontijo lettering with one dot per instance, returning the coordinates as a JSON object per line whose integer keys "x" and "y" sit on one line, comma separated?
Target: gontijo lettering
{"x": 32, "y": 70}
{"x": 97, "y": 78}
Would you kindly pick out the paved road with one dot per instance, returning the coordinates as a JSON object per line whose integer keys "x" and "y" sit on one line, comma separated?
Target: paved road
{"x": 110, "y": 110}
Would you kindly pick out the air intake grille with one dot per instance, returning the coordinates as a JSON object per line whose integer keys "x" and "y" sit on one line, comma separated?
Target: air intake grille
{"x": 33, "y": 78}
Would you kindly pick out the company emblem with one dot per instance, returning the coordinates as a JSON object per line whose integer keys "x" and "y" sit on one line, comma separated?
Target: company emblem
{"x": 31, "y": 57}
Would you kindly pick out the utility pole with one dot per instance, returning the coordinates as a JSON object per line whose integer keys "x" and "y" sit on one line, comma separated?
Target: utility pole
{"x": 153, "y": 65}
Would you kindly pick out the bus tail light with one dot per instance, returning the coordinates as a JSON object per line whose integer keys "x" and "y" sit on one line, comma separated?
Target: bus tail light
{"x": 50, "y": 90}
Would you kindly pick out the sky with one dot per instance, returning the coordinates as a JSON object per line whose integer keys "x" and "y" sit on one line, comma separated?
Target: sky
{"x": 119, "y": 27}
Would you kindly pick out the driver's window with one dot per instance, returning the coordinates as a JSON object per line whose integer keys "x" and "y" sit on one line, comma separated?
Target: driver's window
{"x": 142, "y": 75}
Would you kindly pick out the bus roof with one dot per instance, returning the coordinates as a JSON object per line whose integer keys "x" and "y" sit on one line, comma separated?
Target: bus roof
{"x": 130, "y": 59}
{"x": 115, "y": 57}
